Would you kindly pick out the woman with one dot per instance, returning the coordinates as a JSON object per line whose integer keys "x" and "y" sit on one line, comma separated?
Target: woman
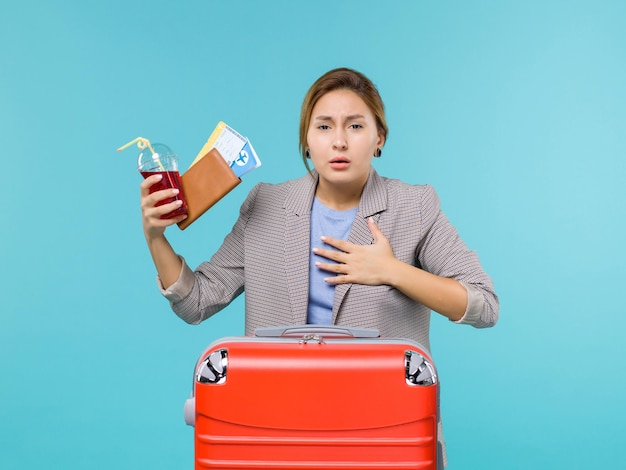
{"x": 340, "y": 245}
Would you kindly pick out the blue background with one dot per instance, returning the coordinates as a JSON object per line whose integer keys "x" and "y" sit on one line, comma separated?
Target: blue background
{"x": 514, "y": 111}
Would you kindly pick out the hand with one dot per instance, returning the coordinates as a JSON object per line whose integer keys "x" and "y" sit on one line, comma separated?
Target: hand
{"x": 153, "y": 225}
{"x": 358, "y": 264}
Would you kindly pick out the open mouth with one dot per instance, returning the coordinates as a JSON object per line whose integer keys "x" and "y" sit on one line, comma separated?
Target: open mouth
{"x": 339, "y": 162}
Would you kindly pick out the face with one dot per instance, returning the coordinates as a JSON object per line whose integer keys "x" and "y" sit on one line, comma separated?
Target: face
{"x": 342, "y": 138}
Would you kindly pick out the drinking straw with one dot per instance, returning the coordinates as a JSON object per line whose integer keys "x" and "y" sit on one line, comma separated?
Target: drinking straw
{"x": 142, "y": 143}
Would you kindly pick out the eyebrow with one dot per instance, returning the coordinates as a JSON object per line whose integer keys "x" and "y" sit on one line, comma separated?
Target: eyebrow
{"x": 348, "y": 118}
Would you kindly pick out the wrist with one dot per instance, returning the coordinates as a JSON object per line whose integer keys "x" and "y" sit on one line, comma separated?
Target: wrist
{"x": 155, "y": 239}
{"x": 394, "y": 272}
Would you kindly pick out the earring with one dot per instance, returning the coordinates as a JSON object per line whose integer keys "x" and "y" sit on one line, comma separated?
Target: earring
{"x": 378, "y": 153}
{"x": 307, "y": 153}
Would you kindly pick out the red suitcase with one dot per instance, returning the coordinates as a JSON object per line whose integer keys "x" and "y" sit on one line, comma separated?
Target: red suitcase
{"x": 315, "y": 397}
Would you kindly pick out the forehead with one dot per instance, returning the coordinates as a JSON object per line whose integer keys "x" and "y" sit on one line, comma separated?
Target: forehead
{"x": 339, "y": 103}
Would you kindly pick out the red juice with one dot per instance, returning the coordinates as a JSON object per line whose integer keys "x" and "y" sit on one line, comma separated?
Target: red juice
{"x": 171, "y": 179}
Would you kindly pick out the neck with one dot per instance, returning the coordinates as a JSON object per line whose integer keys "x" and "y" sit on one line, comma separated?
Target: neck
{"x": 339, "y": 198}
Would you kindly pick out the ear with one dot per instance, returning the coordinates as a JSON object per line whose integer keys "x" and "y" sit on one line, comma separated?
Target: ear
{"x": 381, "y": 140}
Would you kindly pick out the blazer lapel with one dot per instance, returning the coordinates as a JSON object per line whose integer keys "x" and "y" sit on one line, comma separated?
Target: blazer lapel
{"x": 373, "y": 202}
{"x": 297, "y": 208}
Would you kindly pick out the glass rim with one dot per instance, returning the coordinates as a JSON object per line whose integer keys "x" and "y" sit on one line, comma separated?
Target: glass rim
{"x": 168, "y": 162}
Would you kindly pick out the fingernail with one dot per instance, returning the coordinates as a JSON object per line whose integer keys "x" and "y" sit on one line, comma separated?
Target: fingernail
{"x": 323, "y": 238}
{"x": 175, "y": 191}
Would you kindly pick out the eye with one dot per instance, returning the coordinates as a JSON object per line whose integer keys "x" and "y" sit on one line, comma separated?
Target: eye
{"x": 323, "y": 127}
{"x": 356, "y": 126}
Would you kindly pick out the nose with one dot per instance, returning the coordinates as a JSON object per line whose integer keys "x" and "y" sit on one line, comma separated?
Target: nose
{"x": 340, "y": 142}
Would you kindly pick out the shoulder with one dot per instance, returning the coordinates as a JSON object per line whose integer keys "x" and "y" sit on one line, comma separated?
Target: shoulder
{"x": 402, "y": 194}
{"x": 278, "y": 190}
{"x": 280, "y": 195}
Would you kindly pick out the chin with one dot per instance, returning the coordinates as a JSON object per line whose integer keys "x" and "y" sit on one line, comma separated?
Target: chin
{"x": 344, "y": 178}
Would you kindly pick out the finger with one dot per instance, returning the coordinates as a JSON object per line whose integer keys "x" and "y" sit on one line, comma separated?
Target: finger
{"x": 148, "y": 182}
{"x": 154, "y": 214}
{"x": 376, "y": 233}
{"x": 331, "y": 267}
{"x": 336, "y": 243}
{"x": 333, "y": 255}
{"x": 151, "y": 200}
{"x": 172, "y": 220}
{"x": 165, "y": 209}
{"x": 339, "y": 279}
{"x": 163, "y": 194}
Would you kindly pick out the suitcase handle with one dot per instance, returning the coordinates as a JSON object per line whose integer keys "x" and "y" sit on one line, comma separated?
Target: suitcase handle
{"x": 321, "y": 331}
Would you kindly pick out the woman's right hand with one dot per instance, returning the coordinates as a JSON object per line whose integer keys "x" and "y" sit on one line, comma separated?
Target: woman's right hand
{"x": 153, "y": 225}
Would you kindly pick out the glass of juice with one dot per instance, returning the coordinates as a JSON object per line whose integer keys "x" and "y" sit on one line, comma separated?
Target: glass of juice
{"x": 163, "y": 161}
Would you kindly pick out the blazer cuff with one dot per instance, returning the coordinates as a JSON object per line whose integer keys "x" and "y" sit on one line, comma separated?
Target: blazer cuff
{"x": 475, "y": 305}
{"x": 183, "y": 285}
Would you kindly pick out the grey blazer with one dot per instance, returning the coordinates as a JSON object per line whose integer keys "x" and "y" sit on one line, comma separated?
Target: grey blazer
{"x": 267, "y": 255}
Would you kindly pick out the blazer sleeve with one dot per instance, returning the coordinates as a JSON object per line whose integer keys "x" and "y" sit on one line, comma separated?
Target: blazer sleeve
{"x": 441, "y": 251}
{"x": 216, "y": 283}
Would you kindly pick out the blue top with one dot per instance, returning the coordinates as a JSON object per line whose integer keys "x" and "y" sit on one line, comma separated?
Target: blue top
{"x": 332, "y": 223}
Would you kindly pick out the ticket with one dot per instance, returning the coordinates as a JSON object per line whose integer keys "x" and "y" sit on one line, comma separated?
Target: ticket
{"x": 226, "y": 140}
{"x": 246, "y": 161}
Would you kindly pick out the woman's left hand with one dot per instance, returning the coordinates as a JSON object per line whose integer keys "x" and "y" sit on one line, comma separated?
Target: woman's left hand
{"x": 358, "y": 264}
